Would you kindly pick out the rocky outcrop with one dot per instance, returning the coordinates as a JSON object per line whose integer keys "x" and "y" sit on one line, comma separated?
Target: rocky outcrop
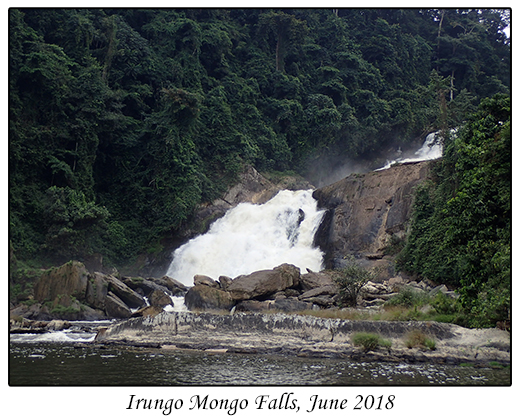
{"x": 70, "y": 279}
{"x": 309, "y": 336}
{"x": 284, "y": 289}
{"x": 365, "y": 211}
{"x": 72, "y": 292}
{"x": 203, "y": 297}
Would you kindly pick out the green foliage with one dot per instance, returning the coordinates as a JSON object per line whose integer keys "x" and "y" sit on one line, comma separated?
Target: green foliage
{"x": 71, "y": 221}
{"x": 416, "y": 338}
{"x": 149, "y": 113}
{"x": 461, "y": 232}
{"x": 370, "y": 341}
{"x": 350, "y": 280}
{"x": 409, "y": 297}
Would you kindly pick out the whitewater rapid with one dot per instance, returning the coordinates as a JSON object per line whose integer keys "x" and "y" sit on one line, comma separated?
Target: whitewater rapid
{"x": 252, "y": 237}
{"x": 430, "y": 150}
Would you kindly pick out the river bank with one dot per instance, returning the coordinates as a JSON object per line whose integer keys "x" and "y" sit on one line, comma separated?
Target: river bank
{"x": 309, "y": 336}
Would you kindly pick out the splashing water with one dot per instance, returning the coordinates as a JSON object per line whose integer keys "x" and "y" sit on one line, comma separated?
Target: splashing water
{"x": 431, "y": 149}
{"x": 253, "y": 237}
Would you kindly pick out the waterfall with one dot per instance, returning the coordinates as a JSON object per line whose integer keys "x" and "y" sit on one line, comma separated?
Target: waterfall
{"x": 253, "y": 237}
{"x": 431, "y": 149}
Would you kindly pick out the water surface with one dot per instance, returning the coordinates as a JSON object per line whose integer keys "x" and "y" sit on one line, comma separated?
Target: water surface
{"x": 47, "y": 363}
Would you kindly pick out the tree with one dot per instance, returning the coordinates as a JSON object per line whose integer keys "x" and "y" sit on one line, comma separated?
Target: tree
{"x": 461, "y": 231}
{"x": 287, "y": 30}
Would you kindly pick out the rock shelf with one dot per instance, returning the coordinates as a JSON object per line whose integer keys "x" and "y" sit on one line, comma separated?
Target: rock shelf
{"x": 308, "y": 336}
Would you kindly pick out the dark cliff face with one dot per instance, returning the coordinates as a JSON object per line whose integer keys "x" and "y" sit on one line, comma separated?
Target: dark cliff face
{"x": 365, "y": 211}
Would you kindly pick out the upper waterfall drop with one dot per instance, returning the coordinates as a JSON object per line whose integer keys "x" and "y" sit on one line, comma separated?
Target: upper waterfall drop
{"x": 430, "y": 149}
{"x": 252, "y": 237}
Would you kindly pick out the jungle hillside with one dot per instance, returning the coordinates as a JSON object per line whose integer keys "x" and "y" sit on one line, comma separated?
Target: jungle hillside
{"x": 122, "y": 122}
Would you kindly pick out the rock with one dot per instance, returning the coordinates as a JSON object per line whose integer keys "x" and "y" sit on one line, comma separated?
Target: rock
{"x": 159, "y": 298}
{"x": 125, "y": 293}
{"x": 380, "y": 204}
{"x": 115, "y": 307}
{"x": 379, "y": 296}
{"x": 424, "y": 286}
{"x": 204, "y": 280}
{"x": 322, "y": 301}
{"x": 58, "y": 325}
{"x": 291, "y": 293}
{"x": 176, "y": 287}
{"x": 396, "y": 283}
{"x": 148, "y": 311}
{"x": 225, "y": 281}
{"x": 264, "y": 283}
{"x": 300, "y": 335}
{"x": 327, "y": 290}
{"x": 439, "y": 289}
{"x": 290, "y": 305}
{"x": 70, "y": 279}
{"x": 97, "y": 289}
{"x": 312, "y": 280}
{"x": 373, "y": 288}
{"x": 254, "y": 306}
{"x": 205, "y": 297}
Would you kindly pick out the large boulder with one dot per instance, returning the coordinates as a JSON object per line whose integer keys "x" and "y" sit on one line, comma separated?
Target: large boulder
{"x": 174, "y": 286}
{"x": 313, "y": 280}
{"x": 264, "y": 282}
{"x": 70, "y": 279}
{"x": 202, "y": 297}
{"x": 115, "y": 307}
{"x": 97, "y": 289}
{"x": 159, "y": 298}
{"x": 131, "y": 298}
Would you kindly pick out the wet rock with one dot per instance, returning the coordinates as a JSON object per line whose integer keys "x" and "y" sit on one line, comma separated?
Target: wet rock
{"x": 264, "y": 282}
{"x": 58, "y": 325}
{"x": 159, "y": 298}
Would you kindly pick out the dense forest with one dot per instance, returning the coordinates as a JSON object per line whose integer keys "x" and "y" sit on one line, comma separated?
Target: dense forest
{"x": 123, "y": 121}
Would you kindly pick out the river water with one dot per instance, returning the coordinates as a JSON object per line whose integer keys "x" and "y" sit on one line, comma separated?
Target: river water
{"x": 71, "y": 358}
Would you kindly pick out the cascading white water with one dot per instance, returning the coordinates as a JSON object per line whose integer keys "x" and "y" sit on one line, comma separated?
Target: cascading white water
{"x": 431, "y": 149}
{"x": 253, "y": 237}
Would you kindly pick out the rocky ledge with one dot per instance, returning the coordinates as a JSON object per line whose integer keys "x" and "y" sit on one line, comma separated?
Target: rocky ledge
{"x": 309, "y": 336}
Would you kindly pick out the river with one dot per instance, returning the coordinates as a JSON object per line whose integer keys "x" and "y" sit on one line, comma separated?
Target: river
{"x": 72, "y": 358}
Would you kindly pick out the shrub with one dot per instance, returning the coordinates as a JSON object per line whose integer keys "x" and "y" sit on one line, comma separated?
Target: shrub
{"x": 409, "y": 297}
{"x": 350, "y": 280}
{"x": 416, "y": 338}
{"x": 370, "y": 341}
{"x": 444, "y": 304}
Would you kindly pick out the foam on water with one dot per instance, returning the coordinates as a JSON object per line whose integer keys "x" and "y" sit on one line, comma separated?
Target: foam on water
{"x": 431, "y": 149}
{"x": 253, "y": 237}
